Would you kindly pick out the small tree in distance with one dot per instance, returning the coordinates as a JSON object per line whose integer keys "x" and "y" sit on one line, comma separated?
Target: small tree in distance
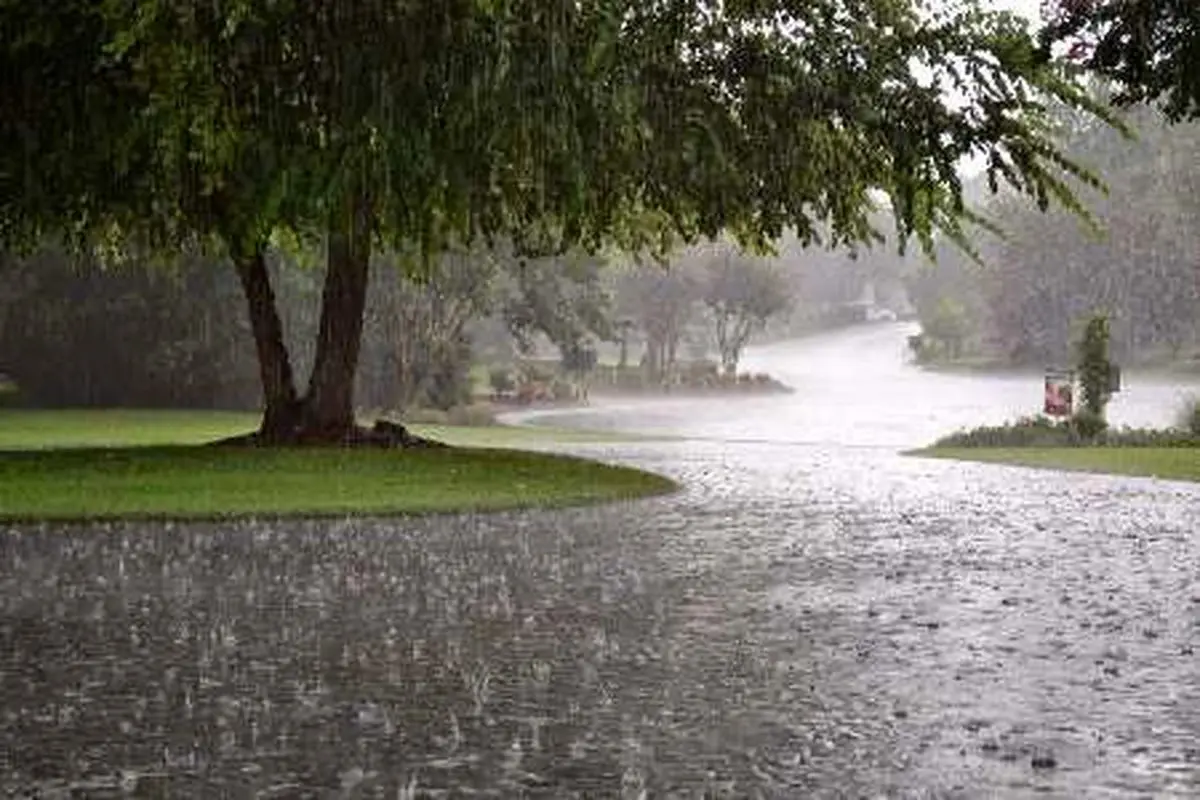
{"x": 742, "y": 294}
{"x": 1095, "y": 375}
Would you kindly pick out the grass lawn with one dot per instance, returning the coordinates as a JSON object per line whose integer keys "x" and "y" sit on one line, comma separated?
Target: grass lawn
{"x": 71, "y": 465}
{"x": 30, "y": 430}
{"x": 1174, "y": 463}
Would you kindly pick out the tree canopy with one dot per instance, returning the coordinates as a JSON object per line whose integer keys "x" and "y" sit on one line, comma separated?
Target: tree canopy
{"x": 742, "y": 294}
{"x": 552, "y": 123}
{"x": 1150, "y": 47}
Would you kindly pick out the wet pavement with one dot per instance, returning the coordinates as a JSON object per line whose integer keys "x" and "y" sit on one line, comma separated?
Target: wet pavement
{"x": 814, "y": 615}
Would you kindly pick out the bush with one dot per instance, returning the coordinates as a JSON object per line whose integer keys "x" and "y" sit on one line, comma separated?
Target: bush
{"x": 1146, "y": 437}
{"x": 1080, "y": 431}
{"x": 1038, "y": 431}
{"x": 537, "y": 372}
{"x": 1088, "y": 424}
{"x": 476, "y": 415}
{"x": 696, "y": 372}
{"x": 562, "y": 390}
{"x": 501, "y": 380}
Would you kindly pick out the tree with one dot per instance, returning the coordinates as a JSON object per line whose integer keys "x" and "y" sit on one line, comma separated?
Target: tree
{"x": 948, "y": 326}
{"x": 1095, "y": 370}
{"x": 1150, "y": 47}
{"x": 579, "y": 361}
{"x": 661, "y": 302}
{"x": 562, "y": 298}
{"x": 435, "y": 124}
{"x": 73, "y": 333}
{"x": 416, "y": 349}
{"x": 742, "y": 294}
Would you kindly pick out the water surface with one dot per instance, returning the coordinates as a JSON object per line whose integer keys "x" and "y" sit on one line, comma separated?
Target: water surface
{"x": 813, "y": 616}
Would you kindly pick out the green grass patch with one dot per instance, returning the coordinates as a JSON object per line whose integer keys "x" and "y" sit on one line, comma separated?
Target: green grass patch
{"x": 105, "y": 464}
{"x": 206, "y": 482}
{"x": 1174, "y": 463}
{"x": 29, "y": 429}
{"x": 107, "y": 428}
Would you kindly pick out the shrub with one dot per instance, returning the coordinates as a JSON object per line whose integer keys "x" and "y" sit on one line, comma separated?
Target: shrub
{"x": 699, "y": 370}
{"x": 476, "y": 415}
{"x": 1088, "y": 424}
{"x": 1038, "y": 431}
{"x": 562, "y": 390}
{"x": 1080, "y": 431}
{"x": 1146, "y": 437}
{"x": 537, "y": 372}
{"x": 1095, "y": 370}
{"x": 501, "y": 380}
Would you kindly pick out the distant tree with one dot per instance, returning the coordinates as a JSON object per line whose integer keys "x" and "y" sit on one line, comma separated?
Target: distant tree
{"x": 1095, "y": 369}
{"x": 1047, "y": 269}
{"x": 623, "y": 327}
{"x": 73, "y": 333}
{"x": 742, "y": 294}
{"x": 564, "y": 298}
{"x": 416, "y": 348}
{"x": 1151, "y": 48}
{"x": 661, "y": 302}
{"x": 579, "y": 361}
{"x": 948, "y": 326}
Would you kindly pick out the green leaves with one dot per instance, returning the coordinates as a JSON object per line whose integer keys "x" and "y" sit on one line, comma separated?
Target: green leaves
{"x": 1151, "y": 48}
{"x": 580, "y": 122}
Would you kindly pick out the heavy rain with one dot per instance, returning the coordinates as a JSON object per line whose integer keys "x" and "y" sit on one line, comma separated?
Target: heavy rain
{"x": 589, "y": 466}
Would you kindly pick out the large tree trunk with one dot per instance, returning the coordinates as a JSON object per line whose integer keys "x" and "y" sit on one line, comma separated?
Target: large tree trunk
{"x": 328, "y": 413}
{"x": 281, "y": 414}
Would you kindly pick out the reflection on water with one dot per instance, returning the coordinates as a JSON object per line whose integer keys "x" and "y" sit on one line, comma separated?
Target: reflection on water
{"x": 818, "y": 619}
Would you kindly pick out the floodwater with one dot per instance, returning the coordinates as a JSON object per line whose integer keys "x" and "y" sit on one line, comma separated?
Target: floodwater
{"x": 814, "y": 615}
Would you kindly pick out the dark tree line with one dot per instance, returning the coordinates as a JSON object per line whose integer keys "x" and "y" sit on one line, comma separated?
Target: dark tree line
{"x": 74, "y": 332}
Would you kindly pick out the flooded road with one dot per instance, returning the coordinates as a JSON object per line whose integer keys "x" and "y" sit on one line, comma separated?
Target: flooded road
{"x": 858, "y": 387}
{"x": 813, "y": 616}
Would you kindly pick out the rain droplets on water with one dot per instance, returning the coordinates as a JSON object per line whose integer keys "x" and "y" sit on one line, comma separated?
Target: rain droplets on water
{"x": 813, "y": 615}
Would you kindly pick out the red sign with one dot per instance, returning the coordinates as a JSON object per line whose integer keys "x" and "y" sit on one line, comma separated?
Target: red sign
{"x": 1060, "y": 393}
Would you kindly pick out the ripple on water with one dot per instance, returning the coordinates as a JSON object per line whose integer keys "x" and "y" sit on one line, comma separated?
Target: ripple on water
{"x": 801, "y": 620}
